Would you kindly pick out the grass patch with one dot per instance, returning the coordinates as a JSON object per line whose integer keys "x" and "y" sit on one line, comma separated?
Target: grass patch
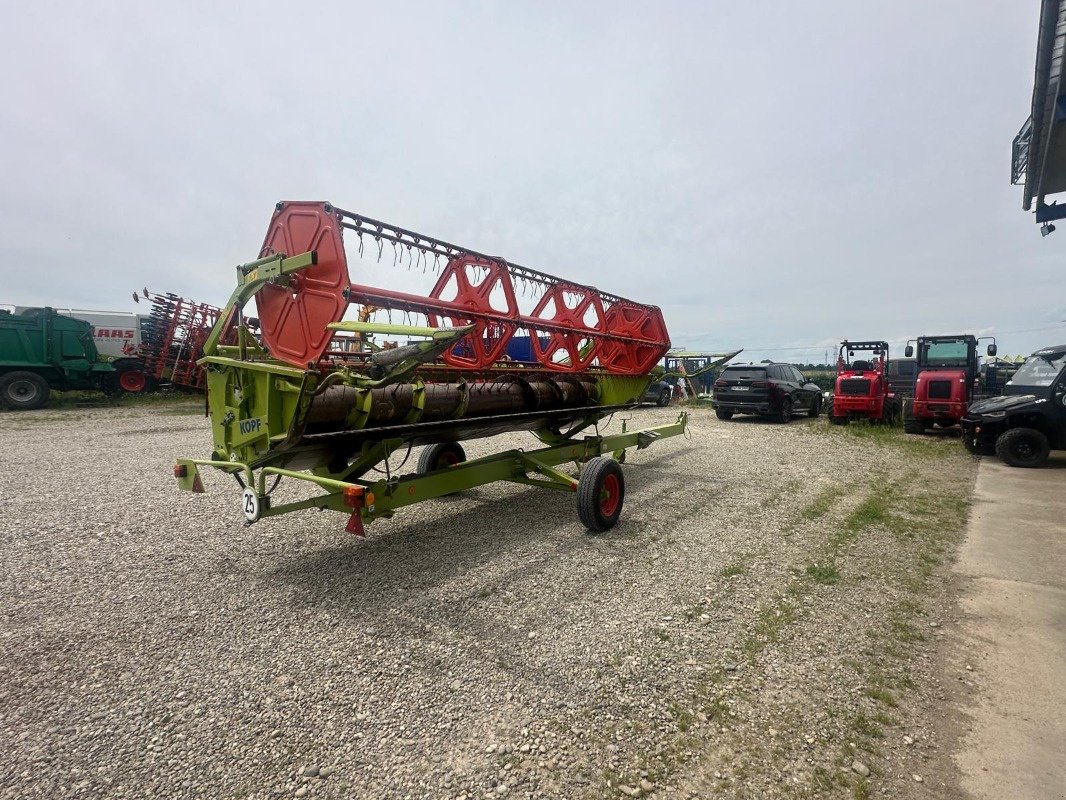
{"x": 822, "y": 504}
{"x": 826, "y": 574}
{"x": 732, "y": 571}
{"x": 881, "y": 695}
{"x": 871, "y": 511}
{"x": 890, "y": 436}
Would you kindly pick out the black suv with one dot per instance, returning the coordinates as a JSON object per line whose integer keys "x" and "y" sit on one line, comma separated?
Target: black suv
{"x": 769, "y": 390}
{"x": 1029, "y": 420}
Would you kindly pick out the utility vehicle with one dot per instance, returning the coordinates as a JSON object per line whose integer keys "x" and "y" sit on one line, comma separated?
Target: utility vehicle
{"x": 1029, "y": 420}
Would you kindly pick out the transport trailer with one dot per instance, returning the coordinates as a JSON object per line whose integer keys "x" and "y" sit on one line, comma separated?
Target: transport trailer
{"x": 314, "y": 398}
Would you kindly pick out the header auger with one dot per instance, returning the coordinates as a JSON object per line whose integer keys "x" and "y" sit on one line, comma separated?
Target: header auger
{"x": 314, "y": 397}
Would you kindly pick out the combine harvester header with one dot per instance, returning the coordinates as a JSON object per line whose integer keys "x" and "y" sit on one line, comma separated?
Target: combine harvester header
{"x": 312, "y": 397}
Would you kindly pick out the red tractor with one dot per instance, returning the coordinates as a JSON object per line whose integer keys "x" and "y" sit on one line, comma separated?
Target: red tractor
{"x": 861, "y": 390}
{"x": 944, "y": 385}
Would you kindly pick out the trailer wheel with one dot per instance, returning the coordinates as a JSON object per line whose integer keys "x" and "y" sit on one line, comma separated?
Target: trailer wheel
{"x": 1022, "y": 447}
{"x": 838, "y": 420}
{"x": 721, "y": 413}
{"x": 601, "y": 491}
{"x": 440, "y": 456}
{"x": 23, "y": 391}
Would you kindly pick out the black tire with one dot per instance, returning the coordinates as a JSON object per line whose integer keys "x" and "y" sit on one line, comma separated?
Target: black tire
{"x": 816, "y": 408}
{"x": 721, "y": 413}
{"x": 440, "y": 456}
{"x": 912, "y": 425}
{"x": 127, "y": 379}
{"x": 891, "y": 413}
{"x": 601, "y": 490}
{"x": 664, "y": 398}
{"x": 23, "y": 391}
{"x": 784, "y": 415}
{"x": 1022, "y": 447}
{"x": 838, "y": 420}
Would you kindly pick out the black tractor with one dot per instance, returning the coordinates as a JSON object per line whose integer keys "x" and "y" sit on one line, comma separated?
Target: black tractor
{"x": 1029, "y": 421}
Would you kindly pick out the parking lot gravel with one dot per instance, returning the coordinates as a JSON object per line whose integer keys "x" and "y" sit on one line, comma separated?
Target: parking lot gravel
{"x": 741, "y": 633}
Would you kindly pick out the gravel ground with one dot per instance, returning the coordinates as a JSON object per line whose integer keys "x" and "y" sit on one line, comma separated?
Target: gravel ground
{"x": 744, "y": 632}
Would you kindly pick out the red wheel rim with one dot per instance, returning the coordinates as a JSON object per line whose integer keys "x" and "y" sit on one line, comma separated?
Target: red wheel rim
{"x": 610, "y": 495}
{"x": 132, "y": 380}
{"x": 447, "y": 460}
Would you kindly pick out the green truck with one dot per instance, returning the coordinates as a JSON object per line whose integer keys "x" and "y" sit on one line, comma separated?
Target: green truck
{"x": 41, "y": 350}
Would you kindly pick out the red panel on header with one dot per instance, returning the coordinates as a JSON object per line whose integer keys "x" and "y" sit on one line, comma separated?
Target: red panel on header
{"x": 294, "y": 317}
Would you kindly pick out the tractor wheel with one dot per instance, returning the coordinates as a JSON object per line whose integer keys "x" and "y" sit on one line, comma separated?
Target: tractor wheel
{"x": 1022, "y": 447}
{"x": 723, "y": 414}
{"x": 838, "y": 420}
{"x": 816, "y": 408}
{"x": 912, "y": 425}
{"x": 891, "y": 413}
{"x": 23, "y": 391}
{"x": 784, "y": 416}
{"x": 440, "y": 456}
{"x": 601, "y": 491}
{"x": 664, "y": 398}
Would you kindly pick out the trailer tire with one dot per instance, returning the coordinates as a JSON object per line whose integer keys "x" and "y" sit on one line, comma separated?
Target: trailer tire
{"x": 440, "y": 456}
{"x": 833, "y": 418}
{"x": 23, "y": 391}
{"x": 912, "y": 425}
{"x": 1022, "y": 447}
{"x": 601, "y": 490}
{"x": 721, "y": 413}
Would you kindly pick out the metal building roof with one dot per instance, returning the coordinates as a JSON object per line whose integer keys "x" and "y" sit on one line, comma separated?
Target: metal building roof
{"x": 1039, "y": 153}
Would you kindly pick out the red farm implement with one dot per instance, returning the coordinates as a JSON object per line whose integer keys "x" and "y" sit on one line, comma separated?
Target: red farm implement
{"x": 173, "y": 337}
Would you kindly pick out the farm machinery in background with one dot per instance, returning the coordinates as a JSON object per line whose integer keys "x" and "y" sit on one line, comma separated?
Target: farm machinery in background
{"x": 313, "y": 398}
{"x": 173, "y": 335}
{"x": 42, "y": 350}
{"x": 144, "y": 351}
{"x": 861, "y": 389}
{"x": 946, "y": 381}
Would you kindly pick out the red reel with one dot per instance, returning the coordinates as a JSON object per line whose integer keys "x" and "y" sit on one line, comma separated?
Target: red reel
{"x": 476, "y": 283}
{"x": 569, "y": 351}
{"x": 294, "y": 317}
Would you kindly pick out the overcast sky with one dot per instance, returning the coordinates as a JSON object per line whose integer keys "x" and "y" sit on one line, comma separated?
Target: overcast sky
{"x": 771, "y": 174}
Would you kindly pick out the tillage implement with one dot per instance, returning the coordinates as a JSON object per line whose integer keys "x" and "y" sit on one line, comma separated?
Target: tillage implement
{"x": 318, "y": 398}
